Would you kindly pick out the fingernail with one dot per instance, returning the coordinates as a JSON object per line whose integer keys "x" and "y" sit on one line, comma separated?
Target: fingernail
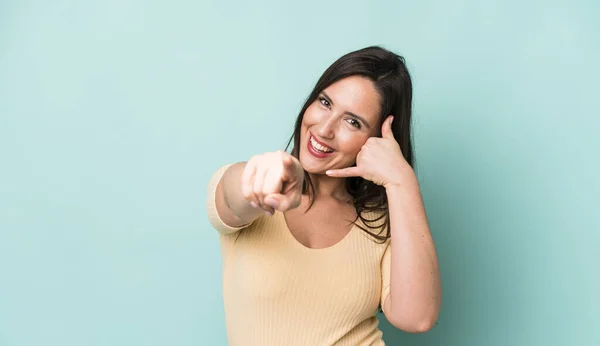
{"x": 254, "y": 205}
{"x": 268, "y": 213}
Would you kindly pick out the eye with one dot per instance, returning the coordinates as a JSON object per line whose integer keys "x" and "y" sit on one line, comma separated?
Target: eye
{"x": 354, "y": 123}
{"x": 324, "y": 102}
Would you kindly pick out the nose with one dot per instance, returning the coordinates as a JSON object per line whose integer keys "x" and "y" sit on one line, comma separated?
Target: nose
{"x": 326, "y": 128}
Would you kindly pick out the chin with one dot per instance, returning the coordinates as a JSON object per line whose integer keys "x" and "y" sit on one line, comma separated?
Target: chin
{"x": 309, "y": 165}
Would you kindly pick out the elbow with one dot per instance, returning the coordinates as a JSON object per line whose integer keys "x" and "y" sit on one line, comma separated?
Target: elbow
{"x": 424, "y": 326}
{"x": 417, "y": 317}
{"x": 415, "y": 325}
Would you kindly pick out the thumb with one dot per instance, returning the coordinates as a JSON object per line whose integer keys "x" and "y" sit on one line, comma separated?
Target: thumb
{"x": 279, "y": 202}
{"x": 386, "y": 128}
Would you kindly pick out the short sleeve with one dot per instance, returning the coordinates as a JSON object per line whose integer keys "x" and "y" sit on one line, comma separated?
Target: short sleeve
{"x": 211, "y": 206}
{"x": 386, "y": 273}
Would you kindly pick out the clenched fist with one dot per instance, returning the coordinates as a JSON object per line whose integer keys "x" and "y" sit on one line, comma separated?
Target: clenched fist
{"x": 273, "y": 181}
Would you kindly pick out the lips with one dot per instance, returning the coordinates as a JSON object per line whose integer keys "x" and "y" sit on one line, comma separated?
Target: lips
{"x": 318, "y": 148}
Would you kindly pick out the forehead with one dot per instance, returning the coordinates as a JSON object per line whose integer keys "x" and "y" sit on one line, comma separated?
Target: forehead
{"x": 357, "y": 95}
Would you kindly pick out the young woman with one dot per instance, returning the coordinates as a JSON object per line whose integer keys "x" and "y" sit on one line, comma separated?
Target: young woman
{"x": 316, "y": 241}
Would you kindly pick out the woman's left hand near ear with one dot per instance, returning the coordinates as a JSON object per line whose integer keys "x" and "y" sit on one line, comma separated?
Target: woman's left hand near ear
{"x": 380, "y": 160}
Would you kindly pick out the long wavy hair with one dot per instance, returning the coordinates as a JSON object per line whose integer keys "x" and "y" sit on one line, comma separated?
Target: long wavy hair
{"x": 392, "y": 81}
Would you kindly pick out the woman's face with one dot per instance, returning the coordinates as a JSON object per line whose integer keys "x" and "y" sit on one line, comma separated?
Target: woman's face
{"x": 337, "y": 124}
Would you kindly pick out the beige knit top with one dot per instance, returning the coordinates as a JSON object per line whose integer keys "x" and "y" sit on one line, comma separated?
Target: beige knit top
{"x": 277, "y": 291}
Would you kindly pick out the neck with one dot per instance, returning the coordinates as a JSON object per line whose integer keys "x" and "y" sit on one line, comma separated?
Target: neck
{"x": 329, "y": 187}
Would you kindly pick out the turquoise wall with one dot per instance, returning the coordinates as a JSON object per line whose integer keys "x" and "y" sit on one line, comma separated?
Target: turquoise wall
{"x": 113, "y": 115}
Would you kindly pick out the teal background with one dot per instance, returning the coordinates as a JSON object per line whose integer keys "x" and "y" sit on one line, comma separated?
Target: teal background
{"x": 114, "y": 114}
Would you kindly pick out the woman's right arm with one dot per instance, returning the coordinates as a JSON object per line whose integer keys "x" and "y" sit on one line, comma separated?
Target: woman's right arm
{"x": 233, "y": 208}
{"x": 238, "y": 194}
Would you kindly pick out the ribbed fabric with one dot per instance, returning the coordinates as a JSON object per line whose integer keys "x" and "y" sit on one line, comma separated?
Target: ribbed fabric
{"x": 278, "y": 292}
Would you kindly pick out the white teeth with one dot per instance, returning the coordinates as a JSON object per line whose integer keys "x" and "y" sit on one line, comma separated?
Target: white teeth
{"x": 319, "y": 147}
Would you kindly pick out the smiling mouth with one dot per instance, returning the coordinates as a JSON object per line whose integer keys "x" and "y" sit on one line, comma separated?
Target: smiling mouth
{"x": 319, "y": 147}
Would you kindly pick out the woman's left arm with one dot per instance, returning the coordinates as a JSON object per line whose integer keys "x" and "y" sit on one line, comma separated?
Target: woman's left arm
{"x": 415, "y": 293}
{"x": 415, "y": 297}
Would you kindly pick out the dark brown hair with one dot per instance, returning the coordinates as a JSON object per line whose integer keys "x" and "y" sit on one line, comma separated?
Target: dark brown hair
{"x": 391, "y": 78}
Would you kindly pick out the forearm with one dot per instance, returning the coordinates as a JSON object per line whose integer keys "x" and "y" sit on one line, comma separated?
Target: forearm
{"x": 415, "y": 288}
{"x": 234, "y": 209}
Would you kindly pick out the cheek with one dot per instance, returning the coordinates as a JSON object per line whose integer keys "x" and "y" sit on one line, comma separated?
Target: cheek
{"x": 311, "y": 116}
{"x": 351, "y": 142}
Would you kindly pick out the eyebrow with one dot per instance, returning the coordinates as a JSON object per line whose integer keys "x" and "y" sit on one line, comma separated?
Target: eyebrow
{"x": 349, "y": 113}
